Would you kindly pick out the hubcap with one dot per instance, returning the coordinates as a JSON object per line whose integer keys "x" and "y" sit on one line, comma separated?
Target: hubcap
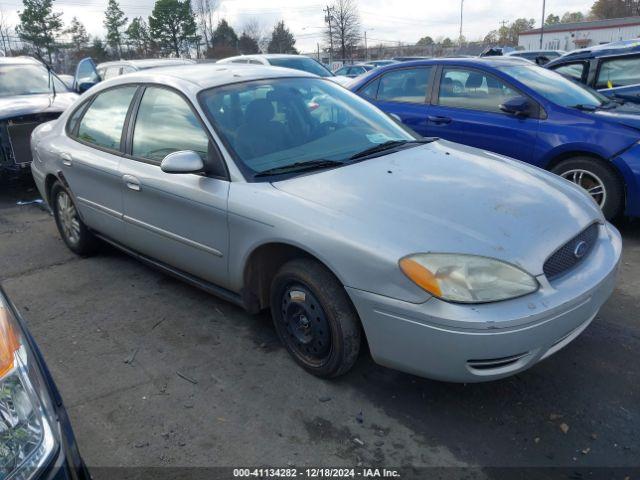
{"x": 68, "y": 218}
{"x": 306, "y": 325}
{"x": 590, "y": 182}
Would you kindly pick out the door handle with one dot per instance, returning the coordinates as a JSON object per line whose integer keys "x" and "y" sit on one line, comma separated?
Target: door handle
{"x": 131, "y": 182}
{"x": 437, "y": 119}
{"x": 66, "y": 159}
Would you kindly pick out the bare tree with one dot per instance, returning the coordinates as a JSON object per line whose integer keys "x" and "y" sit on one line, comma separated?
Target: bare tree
{"x": 6, "y": 33}
{"x": 204, "y": 10}
{"x": 344, "y": 26}
{"x": 255, "y": 30}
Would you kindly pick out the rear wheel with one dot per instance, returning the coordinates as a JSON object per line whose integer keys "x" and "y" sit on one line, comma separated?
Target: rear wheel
{"x": 72, "y": 230}
{"x": 598, "y": 179}
{"x": 314, "y": 318}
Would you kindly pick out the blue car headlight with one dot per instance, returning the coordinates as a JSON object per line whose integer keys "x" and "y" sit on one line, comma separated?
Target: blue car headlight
{"x": 27, "y": 439}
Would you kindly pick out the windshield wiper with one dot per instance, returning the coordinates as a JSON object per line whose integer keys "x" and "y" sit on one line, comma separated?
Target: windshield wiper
{"x": 391, "y": 144}
{"x": 300, "y": 167}
{"x": 585, "y": 108}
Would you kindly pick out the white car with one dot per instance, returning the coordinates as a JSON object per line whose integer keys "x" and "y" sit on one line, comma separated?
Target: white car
{"x": 297, "y": 62}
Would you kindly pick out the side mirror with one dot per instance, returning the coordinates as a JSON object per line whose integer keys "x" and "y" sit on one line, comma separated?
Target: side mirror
{"x": 518, "y": 106}
{"x": 186, "y": 161}
{"x": 84, "y": 86}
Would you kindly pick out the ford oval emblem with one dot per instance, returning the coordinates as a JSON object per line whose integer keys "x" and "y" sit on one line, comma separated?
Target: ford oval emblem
{"x": 581, "y": 249}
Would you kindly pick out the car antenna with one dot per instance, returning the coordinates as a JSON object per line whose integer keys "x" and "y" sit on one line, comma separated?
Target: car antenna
{"x": 49, "y": 68}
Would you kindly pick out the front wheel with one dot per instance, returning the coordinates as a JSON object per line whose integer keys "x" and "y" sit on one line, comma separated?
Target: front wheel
{"x": 598, "y": 179}
{"x": 73, "y": 231}
{"x": 314, "y": 318}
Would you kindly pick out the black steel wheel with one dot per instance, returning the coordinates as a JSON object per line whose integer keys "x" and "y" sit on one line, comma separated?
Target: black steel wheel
{"x": 314, "y": 318}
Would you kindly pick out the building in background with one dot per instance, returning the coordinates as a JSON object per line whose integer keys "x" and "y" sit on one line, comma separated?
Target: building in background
{"x": 569, "y": 36}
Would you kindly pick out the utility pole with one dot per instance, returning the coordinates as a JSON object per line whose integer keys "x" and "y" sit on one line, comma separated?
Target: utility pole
{"x": 366, "y": 50}
{"x": 327, "y": 19}
{"x": 318, "y": 44}
{"x": 542, "y": 27}
{"x": 461, "y": 10}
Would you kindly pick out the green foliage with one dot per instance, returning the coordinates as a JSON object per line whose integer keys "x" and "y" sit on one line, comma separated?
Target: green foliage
{"x": 572, "y": 17}
{"x": 39, "y": 25}
{"x": 615, "y": 8}
{"x": 98, "y": 51}
{"x": 114, "y": 20}
{"x": 173, "y": 26}
{"x": 552, "y": 19}
{"x": 282, "y": 40}
{"x": 425, "y": 41}
{"x": 248, "y": 45}
{"x": 138, "y": 35}
{"x": 447, "y": 42}
{"x": 78, "y": 33}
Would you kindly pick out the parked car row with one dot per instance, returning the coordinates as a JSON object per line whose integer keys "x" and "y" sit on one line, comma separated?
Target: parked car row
{"x": 523, "y": 111}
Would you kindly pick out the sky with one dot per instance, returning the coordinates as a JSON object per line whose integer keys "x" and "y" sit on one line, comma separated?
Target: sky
{"x": 386, "y": 22}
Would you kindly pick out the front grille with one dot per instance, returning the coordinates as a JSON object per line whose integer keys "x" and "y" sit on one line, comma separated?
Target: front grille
{"x": 15, "y": 136}
{"x": 565, "y": 258}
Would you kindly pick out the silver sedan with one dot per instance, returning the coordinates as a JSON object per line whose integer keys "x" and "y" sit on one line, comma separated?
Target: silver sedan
{"x": 279, "y": 190}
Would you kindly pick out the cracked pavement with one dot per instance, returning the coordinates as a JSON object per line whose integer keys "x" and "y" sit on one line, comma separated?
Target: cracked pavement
{"x": 157, "y": 373}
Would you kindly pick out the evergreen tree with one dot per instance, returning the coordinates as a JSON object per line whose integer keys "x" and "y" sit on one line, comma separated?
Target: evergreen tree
{"x": 173, "y": 26}
{"x": 282, "y": 40}
{"x": 138, "y": 35}
{"x": 79, "y": 36}
{"x": 39, "y": 25}
{"x": 114, "y": 20}
{"x": 248, "y": 45}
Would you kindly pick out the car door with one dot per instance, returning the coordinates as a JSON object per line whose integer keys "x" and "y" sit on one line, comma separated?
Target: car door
{"x": 622, "y": 71}
{"x": 466, "y": 109}
{"x": 403, "y": 92}
{"x": 178, "y": 219}
{"x": 90, "y": 158}
{"x": 577, "y": 71}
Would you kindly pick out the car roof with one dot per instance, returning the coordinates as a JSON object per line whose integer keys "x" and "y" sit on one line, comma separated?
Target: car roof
{"x": 148, "y": 62}
{"x": 265, "y": 56}
{"x": 495, "y": 61}
{"x": 194, "y": 78}
{"x": 624, "y": 47}
{"x": 22, "y": 60}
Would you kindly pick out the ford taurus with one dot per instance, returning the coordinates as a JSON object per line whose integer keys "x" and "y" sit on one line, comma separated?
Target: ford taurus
{"x": 276, "y": 189}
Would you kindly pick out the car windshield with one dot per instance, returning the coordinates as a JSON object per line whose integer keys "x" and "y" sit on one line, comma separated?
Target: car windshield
{"x": 279, "y": 123}
{"x": 303, "y": 63}
{"x": 554, "y": 87}
{"x": 27, "y": 80}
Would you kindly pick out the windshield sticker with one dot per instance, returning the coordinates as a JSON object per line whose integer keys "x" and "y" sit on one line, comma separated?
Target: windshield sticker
{"x": 379, "y": 138}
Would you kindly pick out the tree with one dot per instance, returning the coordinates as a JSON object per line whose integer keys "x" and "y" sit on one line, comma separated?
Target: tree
{"x": 247, "y": 45}
{"x": 572, "y": 17}
{"x": 447, "y": 42}
{"x": 98, "y": 51}
{"x": 138, "y": 34}
{"x": 224, "y": 41}
{"x": 425, "y": 41}
{"x": 552, "y": 19}
{"x": 615, "y": 8}
{"x": 39, "y": 25}
{"x": 6, "y": 35}
{"x": 491, "y": 38}
{"x": 282, "y": 40}
{"x": 114, "y": 20}
{"x": 78, "y": 33}
{"x": 344, "y": 28}
{"x": 173, "y": 26}
{"x": 256, "y": 31}
{"x": 204, "y": 10}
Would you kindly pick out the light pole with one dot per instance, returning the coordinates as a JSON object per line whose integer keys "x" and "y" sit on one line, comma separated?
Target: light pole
{"x": 366, "y": 46}
{"x": 461, "y": 11}
{"x": 542, "y": 27}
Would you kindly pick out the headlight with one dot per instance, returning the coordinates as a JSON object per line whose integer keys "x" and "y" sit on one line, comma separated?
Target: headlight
{"x": 467, "y": 278}
{"x": 26, "y": 435}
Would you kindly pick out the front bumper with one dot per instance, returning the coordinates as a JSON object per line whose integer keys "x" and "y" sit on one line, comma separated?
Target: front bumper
{"x": 474, "y": 343}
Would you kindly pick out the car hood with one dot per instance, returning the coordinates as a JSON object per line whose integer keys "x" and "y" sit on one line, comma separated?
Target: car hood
{"x": 446, "y": 197}
{"x": 627, "y": 114}
{"x": 28, "y": 104}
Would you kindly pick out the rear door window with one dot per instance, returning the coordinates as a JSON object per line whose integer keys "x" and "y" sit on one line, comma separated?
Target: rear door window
{"x": 407, "y": 85}
{"x": 102, "y": 123}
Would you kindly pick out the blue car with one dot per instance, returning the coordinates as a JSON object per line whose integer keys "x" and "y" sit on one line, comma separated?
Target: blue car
{"x": 522, "y": 111}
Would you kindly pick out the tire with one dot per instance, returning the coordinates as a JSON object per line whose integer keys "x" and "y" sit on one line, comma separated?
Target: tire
{"x": 314, "y": 318}
{"x": 594, "y": 171}
{"x": 73, "y": 231}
